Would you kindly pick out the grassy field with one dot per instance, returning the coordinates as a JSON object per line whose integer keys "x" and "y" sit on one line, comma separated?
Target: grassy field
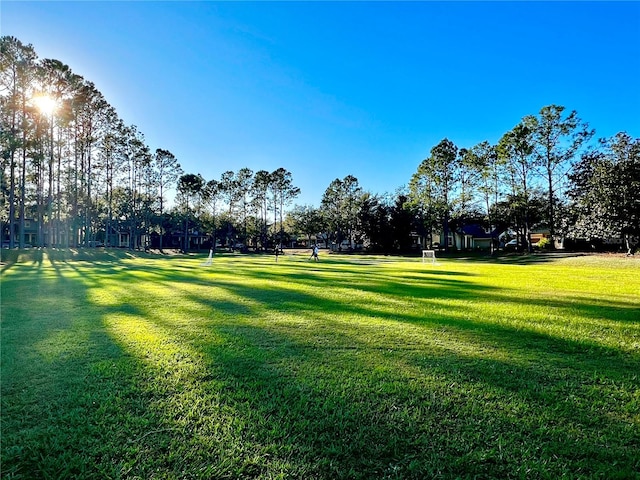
{"x": 125, "y": 366}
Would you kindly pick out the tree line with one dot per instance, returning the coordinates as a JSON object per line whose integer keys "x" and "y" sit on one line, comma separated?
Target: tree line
{"x": 542, "y": 174}
{"x": 70, "y": 164}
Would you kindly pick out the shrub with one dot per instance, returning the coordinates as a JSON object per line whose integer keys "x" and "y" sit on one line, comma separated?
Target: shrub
{"x": 544, "y": 243}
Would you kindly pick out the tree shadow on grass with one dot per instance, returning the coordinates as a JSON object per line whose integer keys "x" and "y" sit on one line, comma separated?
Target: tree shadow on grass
{"x": 71, "y": 397}
{"x": 515, "y": 258}
{"x": 426, "y": 311}
{"x": 363, "y": 412}
{"x": 424, "y": 289}
{"x": 554, "y": 389}
{"x": 350, "y": 394}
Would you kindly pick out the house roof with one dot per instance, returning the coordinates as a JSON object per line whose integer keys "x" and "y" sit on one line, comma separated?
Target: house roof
{"x": 477, "y": 231}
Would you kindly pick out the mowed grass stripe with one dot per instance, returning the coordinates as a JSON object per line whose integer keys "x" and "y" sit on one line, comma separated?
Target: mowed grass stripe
{"x": 135, "y": 366}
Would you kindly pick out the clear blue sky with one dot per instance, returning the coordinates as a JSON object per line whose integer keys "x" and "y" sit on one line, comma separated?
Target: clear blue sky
{"x": 328, "y": 89}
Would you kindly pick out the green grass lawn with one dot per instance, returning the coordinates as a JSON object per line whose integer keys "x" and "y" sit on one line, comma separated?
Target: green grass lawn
{"x": 119, "y": 365}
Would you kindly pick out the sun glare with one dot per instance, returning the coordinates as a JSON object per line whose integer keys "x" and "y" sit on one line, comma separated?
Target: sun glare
{"x": 46, "y": 104}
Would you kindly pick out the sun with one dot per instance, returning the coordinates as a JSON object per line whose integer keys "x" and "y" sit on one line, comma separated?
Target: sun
{"x": 46, "y": 104}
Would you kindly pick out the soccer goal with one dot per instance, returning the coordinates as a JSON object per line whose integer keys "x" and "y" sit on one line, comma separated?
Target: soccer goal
{"x": 429, "y": 254}
{"x": 209, "y": 260}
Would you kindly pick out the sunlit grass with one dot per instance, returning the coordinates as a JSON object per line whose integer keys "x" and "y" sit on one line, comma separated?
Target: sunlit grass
{"x": 133, "y": 366}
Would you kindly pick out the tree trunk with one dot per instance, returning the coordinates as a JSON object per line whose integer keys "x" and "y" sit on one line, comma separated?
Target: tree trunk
{"x": 552, "y": 227}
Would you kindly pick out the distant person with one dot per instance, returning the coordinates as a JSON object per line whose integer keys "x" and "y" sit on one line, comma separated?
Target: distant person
{"x": 314, "y": 253}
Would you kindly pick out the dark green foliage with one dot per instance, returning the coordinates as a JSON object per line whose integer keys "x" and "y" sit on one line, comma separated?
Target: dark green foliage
{"x": 605, "y": 190}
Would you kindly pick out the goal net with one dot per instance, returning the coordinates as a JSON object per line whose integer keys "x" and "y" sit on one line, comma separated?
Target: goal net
{"x": 429, "y": 256}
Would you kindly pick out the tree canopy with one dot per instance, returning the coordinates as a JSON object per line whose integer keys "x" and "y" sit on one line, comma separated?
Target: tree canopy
{"x": 605, "y": 190}
{"x": 72, "y": 167}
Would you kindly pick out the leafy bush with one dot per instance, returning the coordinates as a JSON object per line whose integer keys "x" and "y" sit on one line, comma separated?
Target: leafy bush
{"x": 544, "y": 243}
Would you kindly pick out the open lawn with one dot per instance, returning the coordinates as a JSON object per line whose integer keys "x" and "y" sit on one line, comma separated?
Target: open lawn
{"x": 121, "y": 365}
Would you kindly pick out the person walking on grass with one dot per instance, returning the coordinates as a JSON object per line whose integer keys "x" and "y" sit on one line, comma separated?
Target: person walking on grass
{"x": 314, "y": 253}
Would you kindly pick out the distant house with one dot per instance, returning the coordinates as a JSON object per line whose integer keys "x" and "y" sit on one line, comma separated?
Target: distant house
{"x": 197, "y": 240}
{"x": 537, "y": 235}
{"x": 117, "y": 238}
{"x": 476, "y": 237}
{"x": 423, "y": 241}
{"x": 30, "y": 233}
{"x": 469, "y": 237}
